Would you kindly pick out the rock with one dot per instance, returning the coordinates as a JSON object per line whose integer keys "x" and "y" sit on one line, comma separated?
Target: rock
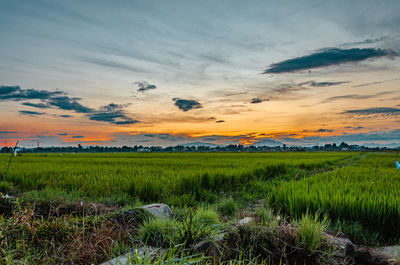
{"x": 159, "y": 210}
{"x": 372, "y": 256}
{"x": 342, "y": 244}
{"x": 392, "y": 251}
{"x": 245, "y": 220}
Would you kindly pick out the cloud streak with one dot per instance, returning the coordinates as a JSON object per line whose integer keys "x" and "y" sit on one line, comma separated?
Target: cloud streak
{"x": 31, "y": 113}
{"x": 323, "y": 84}
{"x": 326, "y": 57}
{"x": 354, "y": 96}
{"x": 110, "y": 64}
{"x": 374, "y": 111}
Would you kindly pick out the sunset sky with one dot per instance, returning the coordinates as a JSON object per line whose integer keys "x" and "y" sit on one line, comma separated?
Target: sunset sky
{"x": 224, "y": 72}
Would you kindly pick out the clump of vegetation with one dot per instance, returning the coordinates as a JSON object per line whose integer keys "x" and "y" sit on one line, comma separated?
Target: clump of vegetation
{"x": 6, "y": 187}
{"x": 267, "y": 216}
{"x": 273, "y": 245}
{"x": 227, "y": 207}
{"x": 159, "y": 232}
{"x": 310, "y": 231}
{"x": 205, "y": 217}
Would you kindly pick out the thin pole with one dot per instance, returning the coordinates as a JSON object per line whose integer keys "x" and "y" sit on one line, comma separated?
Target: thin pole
{"x": 9, "y": 161}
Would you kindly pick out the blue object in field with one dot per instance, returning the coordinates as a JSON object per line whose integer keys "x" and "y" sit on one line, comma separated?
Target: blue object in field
{"x": 397, "y": 164}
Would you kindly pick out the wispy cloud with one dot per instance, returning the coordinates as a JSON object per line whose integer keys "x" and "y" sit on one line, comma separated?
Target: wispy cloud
{"x": 326, "y": 57}
{"x": 110, "y": 64}
{"x": 187, "y": 104}
{"x": 354, "y": 96}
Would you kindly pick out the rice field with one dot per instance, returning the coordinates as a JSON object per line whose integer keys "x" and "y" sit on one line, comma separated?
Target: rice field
{"x": 354, "y": 187}
{"x": 367, "y": 192}
{"x": 154, "y": 176}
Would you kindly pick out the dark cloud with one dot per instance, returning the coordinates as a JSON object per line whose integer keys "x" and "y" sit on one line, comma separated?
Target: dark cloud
{"x": 324, "y": 130}
{"x": 36, "y": 105}
{"x": 32, "y": 113}
{"x": 6, "y": 132}
{"x": 144, "y": 86}
{"x": 220, "y": 121}
{"x": 256, "y": 100}
{"x": 372, "y": 111}
{"x": 62, "y": 134}
{"x": 15, "y": 93}
{"x": 323, "y": 84}
{"x": 56, "y": 98}
{"x": 186, "y": 104}
{"x": 326, "y": 57}
{"x": 68, "y": 103}
{"x": 112, "y": 113}
{"x": 78, "y": 136}
{"x": 354, "y": 128}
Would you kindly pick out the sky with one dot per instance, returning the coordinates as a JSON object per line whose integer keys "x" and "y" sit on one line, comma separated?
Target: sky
{"x": 159, "y": 73}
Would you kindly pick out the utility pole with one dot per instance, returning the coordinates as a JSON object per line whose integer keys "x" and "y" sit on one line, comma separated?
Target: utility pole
{"x": 9, "y": 161}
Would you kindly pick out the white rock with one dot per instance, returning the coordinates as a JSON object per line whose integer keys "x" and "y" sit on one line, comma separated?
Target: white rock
{"x": 159, "y": 210}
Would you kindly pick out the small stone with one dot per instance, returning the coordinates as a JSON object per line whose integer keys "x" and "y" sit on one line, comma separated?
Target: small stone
{"x": 245, "y": 220}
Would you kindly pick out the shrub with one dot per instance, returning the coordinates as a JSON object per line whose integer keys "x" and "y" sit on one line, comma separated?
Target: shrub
{"x": 159, "y": 232}
{"x": 310, "y": 230}
{"x": 227, "y": 207}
